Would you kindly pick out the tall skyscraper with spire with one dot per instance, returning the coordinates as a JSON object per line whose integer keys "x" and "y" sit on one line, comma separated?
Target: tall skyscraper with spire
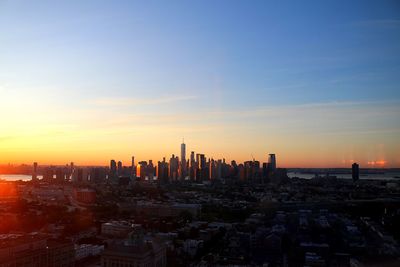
{"x": 183, "y": 159}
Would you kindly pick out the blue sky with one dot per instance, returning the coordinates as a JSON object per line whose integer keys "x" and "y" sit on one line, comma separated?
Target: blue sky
{"x": 260, "y": 51}
{"x": 173, "y": 58}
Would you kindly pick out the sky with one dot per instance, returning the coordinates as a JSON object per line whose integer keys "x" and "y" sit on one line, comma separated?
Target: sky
{"x": 315, "y": 82}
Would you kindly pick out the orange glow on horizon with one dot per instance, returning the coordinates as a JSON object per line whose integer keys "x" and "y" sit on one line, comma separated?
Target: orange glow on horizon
{"x": 378, "y": 163}
{"x": 283, "y": 160}
{"x": 99, "y": 134}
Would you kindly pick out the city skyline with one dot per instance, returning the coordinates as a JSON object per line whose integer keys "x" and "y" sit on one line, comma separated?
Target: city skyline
{"x": 184, "y": 162}
{"x": 315, "y": 83}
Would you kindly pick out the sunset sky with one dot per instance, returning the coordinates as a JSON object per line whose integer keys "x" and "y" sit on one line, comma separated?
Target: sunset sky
{"x": 315, "y": 82}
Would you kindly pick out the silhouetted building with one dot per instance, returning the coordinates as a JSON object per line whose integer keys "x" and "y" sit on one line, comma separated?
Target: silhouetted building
{"x": 150, "y": 171}
{"x": 70, "y": 172}
{"x": 133, "y": 171}
{"x": 34, "y": 172}
{"x": 136, "y": 251}
{"x": 202, "y": 171}
{"x": 48, "y": 175}
{"x": 141, "y": 170}
{"x": 234, "y": 170}
{"x": 251, "y": 170}
{"x": 162, "y": 171}
{"x": 272, "y": 162}
{"x": 80, "y": 175}
{"x": 355, "y": 171}
{"x": 183, "y": 161}
{"x": 265, "y": 171}
{"x": 85, "y": 195}
{"x": 212, "y": 169}
{"x": 145, "y": 171}
{"x": 192, "y": 166}
{"x": 119, "y": 168}
{"x": 36, "y": 250}
{"x": 98, "y": 175}
{"x": 241, "y": 172}
{"x": 173, "y": 168}
{"x": 192, "y": 159}
{"x": 219, "y": 169}
{"x": 113, "y": 167}
{"x": 60, "y": 175}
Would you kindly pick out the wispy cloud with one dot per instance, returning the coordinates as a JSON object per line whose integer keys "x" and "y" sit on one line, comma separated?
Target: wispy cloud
{"x": 334, "y": 107}
{"x": 134, "y": 101}
{"x": 313, "y": 115}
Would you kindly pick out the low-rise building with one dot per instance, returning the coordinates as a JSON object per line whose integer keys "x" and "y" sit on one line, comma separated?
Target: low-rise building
{"x": 85, "y": 195}
{"x": 35, "y": 250}
{"x": 117, "y": 228}
{"x": 135, "y": 251}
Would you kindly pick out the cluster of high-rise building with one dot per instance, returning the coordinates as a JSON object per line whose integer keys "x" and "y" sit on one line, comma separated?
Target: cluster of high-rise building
{"x": 54, "y": 174}
{"x": 197, "y": 168}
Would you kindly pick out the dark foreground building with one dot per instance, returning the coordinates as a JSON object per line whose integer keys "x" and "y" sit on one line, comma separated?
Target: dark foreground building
{"x": 135, "y": 251}
{"x": 35, "y": 250}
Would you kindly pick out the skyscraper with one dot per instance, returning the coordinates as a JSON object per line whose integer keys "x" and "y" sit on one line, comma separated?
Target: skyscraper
{"x": 173, "y": 168}
{"x": 272, "y": 162}
{"x": 133, "y": 171}
{"x": 112, "y": 176}
{"x": 355, "y": 171}
{"x": 71, "y": 171}
{"x": 212, "y": 171}
{"x": 150, "y": 171}
{"x": 141, "y": 170}
{"x": 162, "y": 171}
{"x": 183, "y": 160}
{"x": 119, "y": 170}
{"x": 192, "y": 159}
{"x": 60, "y": 175}
{"x": 201, "y": 170}
{"x": 34, "y": 173}
{"x": 192, "y": 167}
{"x": 113, "y": 167}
